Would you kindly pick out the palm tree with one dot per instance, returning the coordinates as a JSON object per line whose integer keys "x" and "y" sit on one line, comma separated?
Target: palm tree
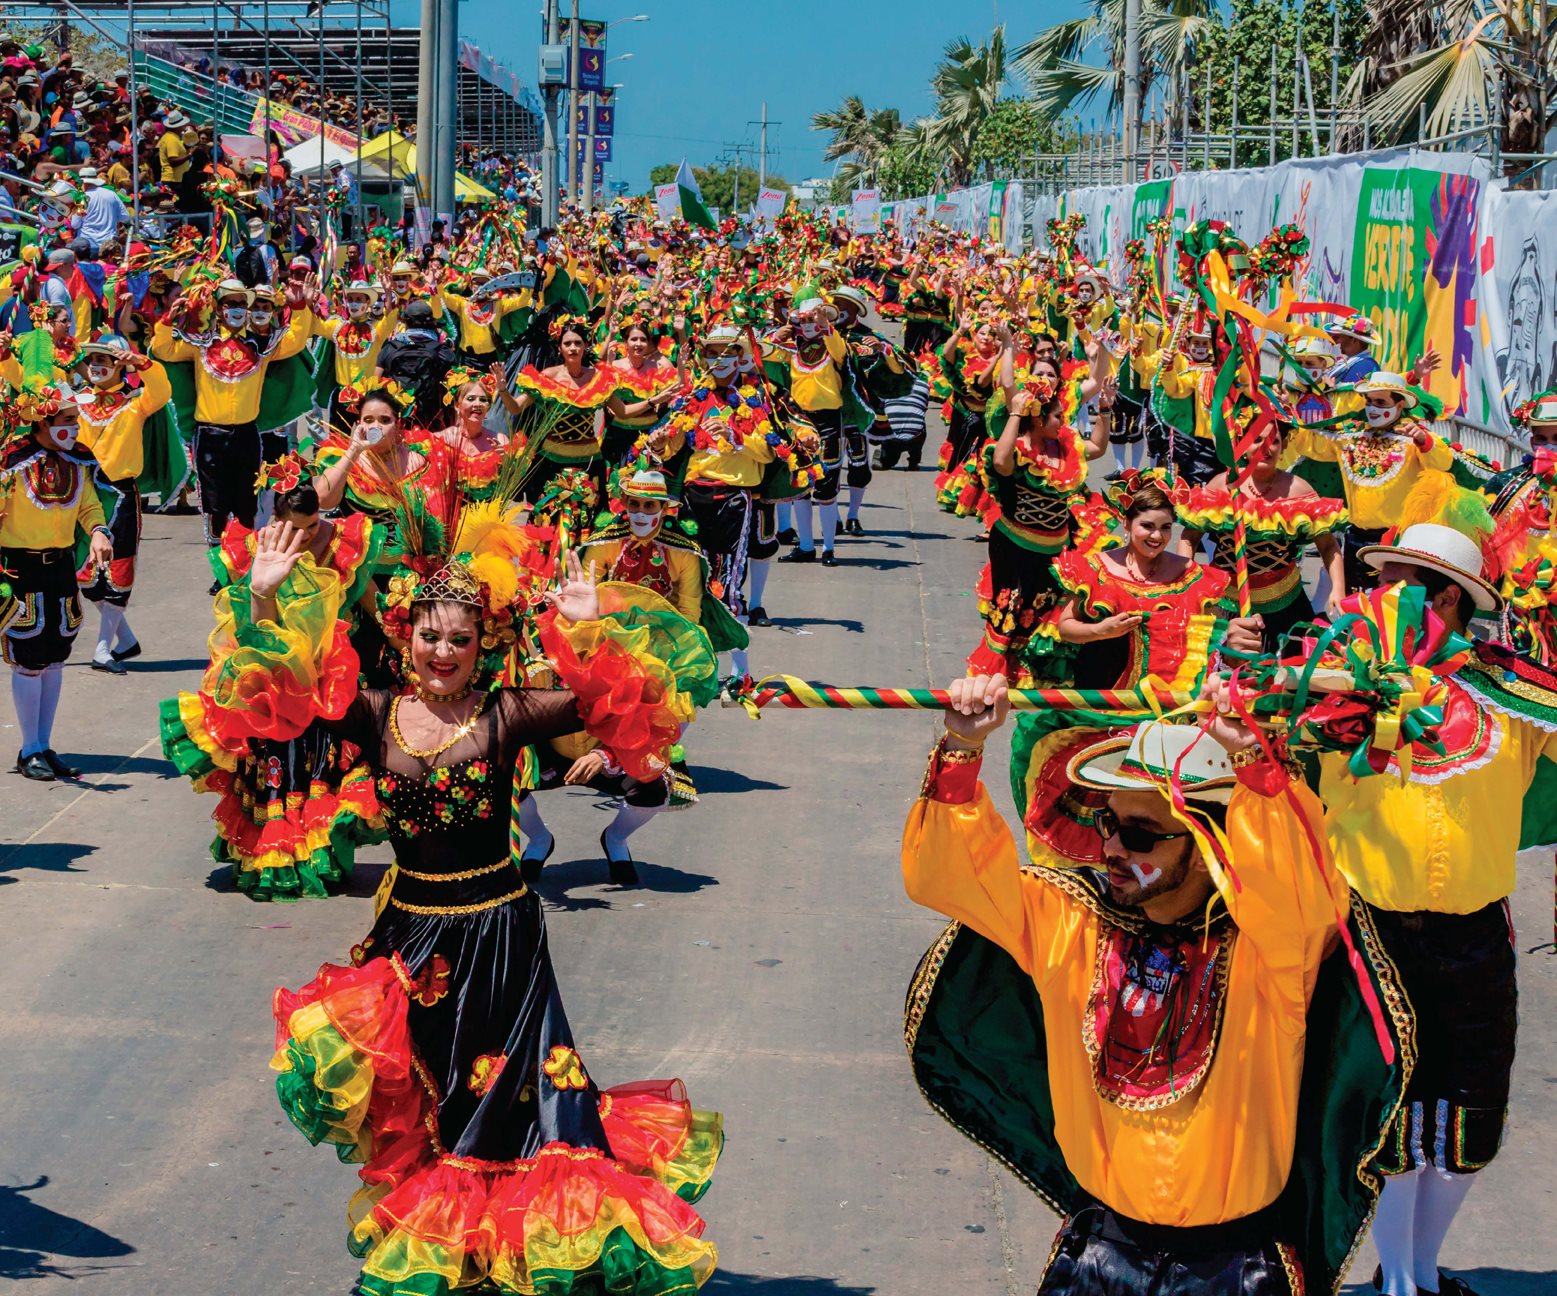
{"x": 967, "y": 85}
{"x": 861, "y": 137}
{"x": 1456, "y": 65}
{"x": 1062, "y": 83}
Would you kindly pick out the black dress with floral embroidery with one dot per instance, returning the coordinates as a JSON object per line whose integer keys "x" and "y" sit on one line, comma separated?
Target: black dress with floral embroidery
{"x": 485, "y": 1016}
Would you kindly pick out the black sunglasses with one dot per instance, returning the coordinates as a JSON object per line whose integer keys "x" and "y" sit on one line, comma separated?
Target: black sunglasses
{"x": 1136, "y": 840}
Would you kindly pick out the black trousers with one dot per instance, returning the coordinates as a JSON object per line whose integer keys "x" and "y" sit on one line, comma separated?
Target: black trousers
{"x": 227, "y": 460}
{"x": 1101, "y": 1253}
{"x": 1459, "y": 972}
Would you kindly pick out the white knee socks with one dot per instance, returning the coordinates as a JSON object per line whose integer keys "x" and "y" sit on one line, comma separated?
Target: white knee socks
{"x": 829, "y": 524}
{"x": 856, "y": 497}
{"x": 784, "y": 515}
{"x": 1393, "y": 1233}
{"x": 628, "y": 820}
{"x": 110, "y": 625}
{"x": 26, "y": 694}
{"x": 1439, "y": 1196}
{"x": 757, "y": 572}
{"x": 803, "y": 524}
{"x": 534, "y": 828}
{"x": 48, "y": 703}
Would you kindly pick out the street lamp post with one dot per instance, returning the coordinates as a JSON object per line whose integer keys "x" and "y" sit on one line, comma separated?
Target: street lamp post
{"x": 589, "y": 152}
{"x": 586, "y": 187}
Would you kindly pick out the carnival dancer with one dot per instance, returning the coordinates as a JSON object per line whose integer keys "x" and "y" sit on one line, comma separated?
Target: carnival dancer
{"x": 1143, "y": 609}
{"x": 967, "y": 373}
{"x": 647, "y": 383}
{"x": 639, "y": 550}
{"x": 46, "y": 496}
{"x": 926, "y": 304}
{"x": 1429, "y": 849}
{"x": 879, "y": 373}
{"x": 293, "y": 811}
{"x": 725, "y": 424}
{"x": 1036, "y": 472}
{"x": 441, "y": 1058}
{"x": 813, "y": 367}
{"x": 1182, "y": 388}
{"x": 229, "y": 374}
{"x": 1155, "y": 1042}
{"x": 484, "y": 316}
{"x": 1526, "y": 551}
{"x": 1382, "y": 456}
{"x": 113, "y": 421}
{"x": 568, "y": 398}
{"x": 478, "y": 450}
{"x": 355, "y": 341}
{"x": 1282, "y": 516}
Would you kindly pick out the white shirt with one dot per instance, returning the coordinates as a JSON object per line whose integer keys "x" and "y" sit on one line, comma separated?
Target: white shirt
{"x": 105, "y": 213}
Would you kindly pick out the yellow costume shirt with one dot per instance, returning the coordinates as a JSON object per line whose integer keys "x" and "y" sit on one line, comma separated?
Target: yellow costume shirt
{"x": 819, "y": 388}
{"x": 43, "y": 502}
{"x": 228, "y": 373}
{"x": 1445, "y": 840}
{"x": 1378, "y": 470}
{"x": 357, "y": 344}
{"x": 1224, "y": 1149}
{"x": 112, "y": 423}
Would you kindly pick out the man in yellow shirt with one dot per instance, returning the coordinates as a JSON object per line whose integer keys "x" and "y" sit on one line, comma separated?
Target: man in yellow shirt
{"x": 171, "y": 149}
{"x": 1429, "y": 854}
{"x": 815, "y": 354}
{"x": 1382, "y": 453}
{"x": 46, "y": 496}
{"x": 1142, "y": 1025}
{"x": 113, "y": 419}
{"x": 229, "y": 374}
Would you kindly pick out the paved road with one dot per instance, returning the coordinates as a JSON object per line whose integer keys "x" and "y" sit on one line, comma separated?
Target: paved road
{"x": 764, "y": 960}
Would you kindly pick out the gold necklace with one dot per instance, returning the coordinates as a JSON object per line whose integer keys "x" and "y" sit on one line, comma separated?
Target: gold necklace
{"x": 394, "y": 730}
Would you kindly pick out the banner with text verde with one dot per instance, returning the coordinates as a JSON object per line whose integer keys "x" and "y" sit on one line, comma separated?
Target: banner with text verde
{"x": 1414, "y": 269}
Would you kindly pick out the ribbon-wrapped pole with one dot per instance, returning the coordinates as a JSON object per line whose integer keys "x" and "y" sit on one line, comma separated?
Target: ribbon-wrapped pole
{"x": 1150, "y": 698}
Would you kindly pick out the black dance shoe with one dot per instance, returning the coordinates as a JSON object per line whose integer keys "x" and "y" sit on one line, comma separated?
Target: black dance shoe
{"x": 622, "y": 871}
{"x": 34, "y": 767}
{"x": 758, "y": 616}
{"x": 61, "y": 770}
{"x": 799, "y": 556}
{"x": 851, "y": 526}
{"x": 827, "y": 558}
{"x": 787, "y": 536}
{"x": 530, "y": 866}
{"x": 127, "y": 654}
{"x": 113, "y": 666}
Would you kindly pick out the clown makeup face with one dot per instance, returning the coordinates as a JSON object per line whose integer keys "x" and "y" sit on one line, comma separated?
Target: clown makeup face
{"x": 356, "y": 307}
{"x": 234, "y": 313}
{"x": 101, "y": 371}
{"x": 445, "y": 643}
{"x": 262, "y": 315}
{"x": 1315, "y": 369}
{"x": 61, "y": 431}
{"x": 1383, "y": 409}
{"x": 1198, "y": 349}
{"x": 1543, "y": 436}
{"x": 1086, "y": 292}
{"x": 644, "y": 516}
{"x": 724, "y": 365}
{"x": 810, "y": 327}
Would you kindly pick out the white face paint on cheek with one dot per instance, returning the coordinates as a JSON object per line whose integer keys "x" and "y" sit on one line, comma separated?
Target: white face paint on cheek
{"x": 1145, "y": 876}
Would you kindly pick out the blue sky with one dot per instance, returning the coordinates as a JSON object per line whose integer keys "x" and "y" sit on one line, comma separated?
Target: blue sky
{"x": 701, "y": 68}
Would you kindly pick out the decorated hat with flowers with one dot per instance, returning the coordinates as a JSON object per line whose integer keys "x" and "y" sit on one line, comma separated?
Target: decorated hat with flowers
{"x": 1540, "y": 408}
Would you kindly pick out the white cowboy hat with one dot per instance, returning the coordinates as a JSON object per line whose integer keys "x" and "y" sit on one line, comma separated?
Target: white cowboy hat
{"x": 849, "y": 293}
{"x": 361, "y": 288}
{"x": 1318, "y": 347}
{"x": 1146, "y": 760}
{"x": 175, "y": 121}
{"x": 645, "y": 484}
{"x": 256, "y": 227}
{"x": 229, "y": 288}
{"x": 1543, "y": 408}
{"x": 724, "y": 337}
{"x": 89, "y": 177}
{"x": 1441, "y": 549}
{"x": 1382, "y": 382}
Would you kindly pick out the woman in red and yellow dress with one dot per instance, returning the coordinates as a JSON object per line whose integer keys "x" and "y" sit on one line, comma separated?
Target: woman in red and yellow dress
{"x": 646, "y": 383}
{"x": 477, "y": 450}
{"x": 292, "y": 812}
{"x": 964, "y": 371}
{"x": 440, "y": 1059}
{"x": 1035, "y": 475}
{"x": 1141, "y": 609}
{"x": 1283, "y": 516}
{"x": 567, "y": 399}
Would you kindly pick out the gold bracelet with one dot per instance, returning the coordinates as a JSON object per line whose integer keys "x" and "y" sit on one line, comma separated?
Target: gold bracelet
{"x": 960, "y": 755}
{"x": 1246, "y": 756}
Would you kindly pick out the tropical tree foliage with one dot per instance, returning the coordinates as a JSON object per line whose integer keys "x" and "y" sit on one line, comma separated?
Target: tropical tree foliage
{"x": 967, "y": 84}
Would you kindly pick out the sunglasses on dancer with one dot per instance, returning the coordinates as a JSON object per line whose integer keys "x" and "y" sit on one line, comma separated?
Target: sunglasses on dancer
{"x": 1134, "y": 838}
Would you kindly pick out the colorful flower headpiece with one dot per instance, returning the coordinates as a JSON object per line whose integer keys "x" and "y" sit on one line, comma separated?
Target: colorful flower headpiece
{"x": 1121, "y": 494}
{"x": 562, "y": 323}
{"x": 284, "y": 474}
{"x": 458, "y": 376}
{"x": 352, "y": 397}
{"x": 1279, "y": 252}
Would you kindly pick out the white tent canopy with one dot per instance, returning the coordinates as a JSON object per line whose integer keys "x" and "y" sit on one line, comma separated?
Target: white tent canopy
{"x": 306, "y": 157}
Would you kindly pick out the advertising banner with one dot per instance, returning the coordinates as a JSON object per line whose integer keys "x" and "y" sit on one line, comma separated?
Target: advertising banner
{"x": 865, "y": 211}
